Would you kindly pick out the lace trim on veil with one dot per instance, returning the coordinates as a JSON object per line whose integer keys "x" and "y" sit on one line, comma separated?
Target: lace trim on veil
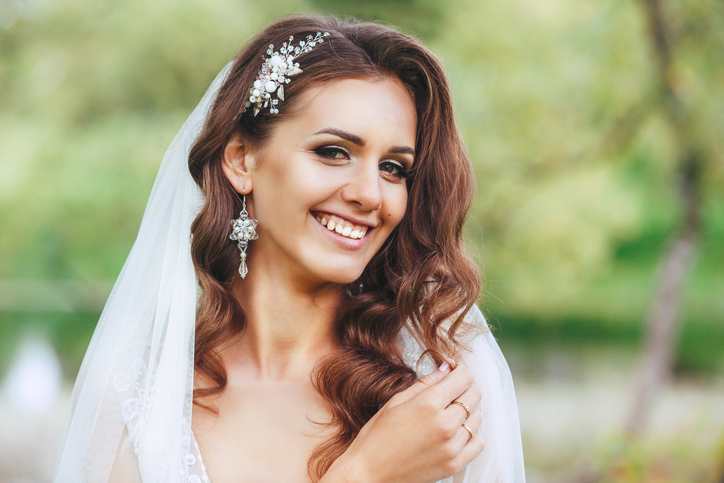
{"x": 130, "y": 388}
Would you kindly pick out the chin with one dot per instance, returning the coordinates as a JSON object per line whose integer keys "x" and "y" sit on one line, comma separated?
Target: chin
{"x": 345, "y": 279}
{"x": 343, "y": 276}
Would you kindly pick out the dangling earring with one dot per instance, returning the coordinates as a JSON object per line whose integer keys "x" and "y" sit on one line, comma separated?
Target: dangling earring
{"x": 243, "y": 231}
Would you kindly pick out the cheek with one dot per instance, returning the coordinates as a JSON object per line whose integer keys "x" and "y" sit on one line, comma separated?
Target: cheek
{"x": 281, "y": 190}
{"x": 395, "y": 210}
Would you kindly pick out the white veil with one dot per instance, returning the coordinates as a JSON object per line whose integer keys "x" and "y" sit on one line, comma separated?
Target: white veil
{"x": 136, "y": 380}
{"x": 502, "y": 459}
{"x": 130, "y": 412}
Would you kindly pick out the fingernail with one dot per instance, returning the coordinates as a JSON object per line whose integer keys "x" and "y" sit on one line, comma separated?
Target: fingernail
{"x": 443, "y": 367}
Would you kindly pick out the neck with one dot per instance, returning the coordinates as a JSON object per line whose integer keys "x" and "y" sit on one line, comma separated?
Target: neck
{"x": 288, "y": 328}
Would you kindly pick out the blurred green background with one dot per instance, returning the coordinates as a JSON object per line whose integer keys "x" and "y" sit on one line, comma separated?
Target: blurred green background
{"x": 559, "y": 104}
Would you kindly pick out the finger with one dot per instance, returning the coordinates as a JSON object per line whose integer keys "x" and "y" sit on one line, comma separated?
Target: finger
{"x": 471, "y": 449}
{"x": 424, "y": 383}
{"x": 464, "y": 409}
{"x": 475, "y": 421}
{"x": 463, "y": 435}
{"x": 466, "y": 402}
{"x": 451, "y": 387}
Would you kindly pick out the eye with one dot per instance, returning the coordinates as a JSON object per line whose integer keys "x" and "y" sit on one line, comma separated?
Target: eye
{"x": 394, "y": 169}
{"x": 332, "y": 152}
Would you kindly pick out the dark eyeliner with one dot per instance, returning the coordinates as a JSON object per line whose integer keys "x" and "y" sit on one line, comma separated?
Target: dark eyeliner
{"x": 403, "y": 173}
{"x": 329, "y": 151}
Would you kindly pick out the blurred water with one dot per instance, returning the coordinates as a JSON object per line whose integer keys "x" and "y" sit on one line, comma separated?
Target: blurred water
{"x": 33, "y": 382}
{"x": 32, "y": 408}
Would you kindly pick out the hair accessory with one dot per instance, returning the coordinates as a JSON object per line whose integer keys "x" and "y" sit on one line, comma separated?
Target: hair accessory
{"x": 243, "y": 231}
{"x": 275, "y": 72}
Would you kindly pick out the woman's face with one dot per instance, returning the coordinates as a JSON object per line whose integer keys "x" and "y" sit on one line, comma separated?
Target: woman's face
{"x": 328, "y": 186}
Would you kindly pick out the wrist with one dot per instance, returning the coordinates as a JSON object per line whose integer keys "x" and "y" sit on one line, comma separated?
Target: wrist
{"x": 344, "y": 471}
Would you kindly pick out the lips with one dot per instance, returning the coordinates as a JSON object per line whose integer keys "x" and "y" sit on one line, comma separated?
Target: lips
{"x": 341, "y": 226}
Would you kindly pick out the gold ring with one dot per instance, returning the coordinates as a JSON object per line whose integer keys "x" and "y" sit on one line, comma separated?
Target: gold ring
{"x": 462, "y": 405}
{"x": 469, "y": 431}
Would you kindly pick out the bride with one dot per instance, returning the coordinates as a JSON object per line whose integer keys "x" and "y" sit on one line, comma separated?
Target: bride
{"x": 298, "y": 269}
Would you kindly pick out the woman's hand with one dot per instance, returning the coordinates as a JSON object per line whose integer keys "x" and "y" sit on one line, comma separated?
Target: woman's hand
{"x": 418, "y": 435}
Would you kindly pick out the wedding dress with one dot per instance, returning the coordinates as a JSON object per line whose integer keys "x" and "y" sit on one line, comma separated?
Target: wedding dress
{"x": 130, "y": 411}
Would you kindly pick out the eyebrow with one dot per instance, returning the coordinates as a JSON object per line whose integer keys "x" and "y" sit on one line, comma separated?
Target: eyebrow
{"x": 353, "y": 138}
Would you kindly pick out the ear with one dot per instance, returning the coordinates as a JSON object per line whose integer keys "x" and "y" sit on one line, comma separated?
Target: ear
{"x": 234, "y": 164}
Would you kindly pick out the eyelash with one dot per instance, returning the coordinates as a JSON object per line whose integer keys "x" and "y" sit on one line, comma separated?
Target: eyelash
{"x": 329, "y": 152}
{"x": 326, "y": 151}
{"x": 402, "y": 172}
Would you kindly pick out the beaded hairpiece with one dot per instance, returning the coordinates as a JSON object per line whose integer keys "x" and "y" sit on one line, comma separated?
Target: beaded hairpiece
{"x": 275, "y": 72}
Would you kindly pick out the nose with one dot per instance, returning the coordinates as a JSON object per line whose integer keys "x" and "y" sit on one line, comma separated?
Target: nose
{"x": 363, "y": 188}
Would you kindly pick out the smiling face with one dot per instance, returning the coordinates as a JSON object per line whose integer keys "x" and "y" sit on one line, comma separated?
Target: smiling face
{"x": 328, "y": 186}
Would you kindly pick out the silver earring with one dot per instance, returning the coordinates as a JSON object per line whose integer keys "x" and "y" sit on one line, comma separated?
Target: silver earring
{"x": 243, "y": 231}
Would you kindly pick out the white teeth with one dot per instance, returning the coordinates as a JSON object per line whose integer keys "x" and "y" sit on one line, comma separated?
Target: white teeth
{"x": 340, "y": 228}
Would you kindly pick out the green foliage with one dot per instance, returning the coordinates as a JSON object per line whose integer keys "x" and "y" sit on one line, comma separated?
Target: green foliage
{"x": 69, "y": 332}
{"x": 681, "y": 458}
{"x": 557, "y": 100}
{"x": 94, "y": 94}
{"x": 424, "y": 18}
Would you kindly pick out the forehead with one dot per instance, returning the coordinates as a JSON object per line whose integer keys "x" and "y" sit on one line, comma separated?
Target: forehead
{"x": 380, "y": 108}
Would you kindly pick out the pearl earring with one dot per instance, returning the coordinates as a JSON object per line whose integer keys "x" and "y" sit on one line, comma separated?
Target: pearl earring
{"x": 243, "y": 231}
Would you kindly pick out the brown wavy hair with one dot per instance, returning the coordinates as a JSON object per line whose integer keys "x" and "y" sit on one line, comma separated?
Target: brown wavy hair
{"x": 422, "y": 277}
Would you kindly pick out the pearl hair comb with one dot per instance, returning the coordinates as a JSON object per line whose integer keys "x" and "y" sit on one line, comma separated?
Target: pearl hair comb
{"x": 275, "y": 72}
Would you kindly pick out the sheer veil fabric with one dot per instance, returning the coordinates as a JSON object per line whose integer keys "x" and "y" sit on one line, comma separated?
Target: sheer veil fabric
{"x": 502, "y": 459}
{"x": 130, "y": 411}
